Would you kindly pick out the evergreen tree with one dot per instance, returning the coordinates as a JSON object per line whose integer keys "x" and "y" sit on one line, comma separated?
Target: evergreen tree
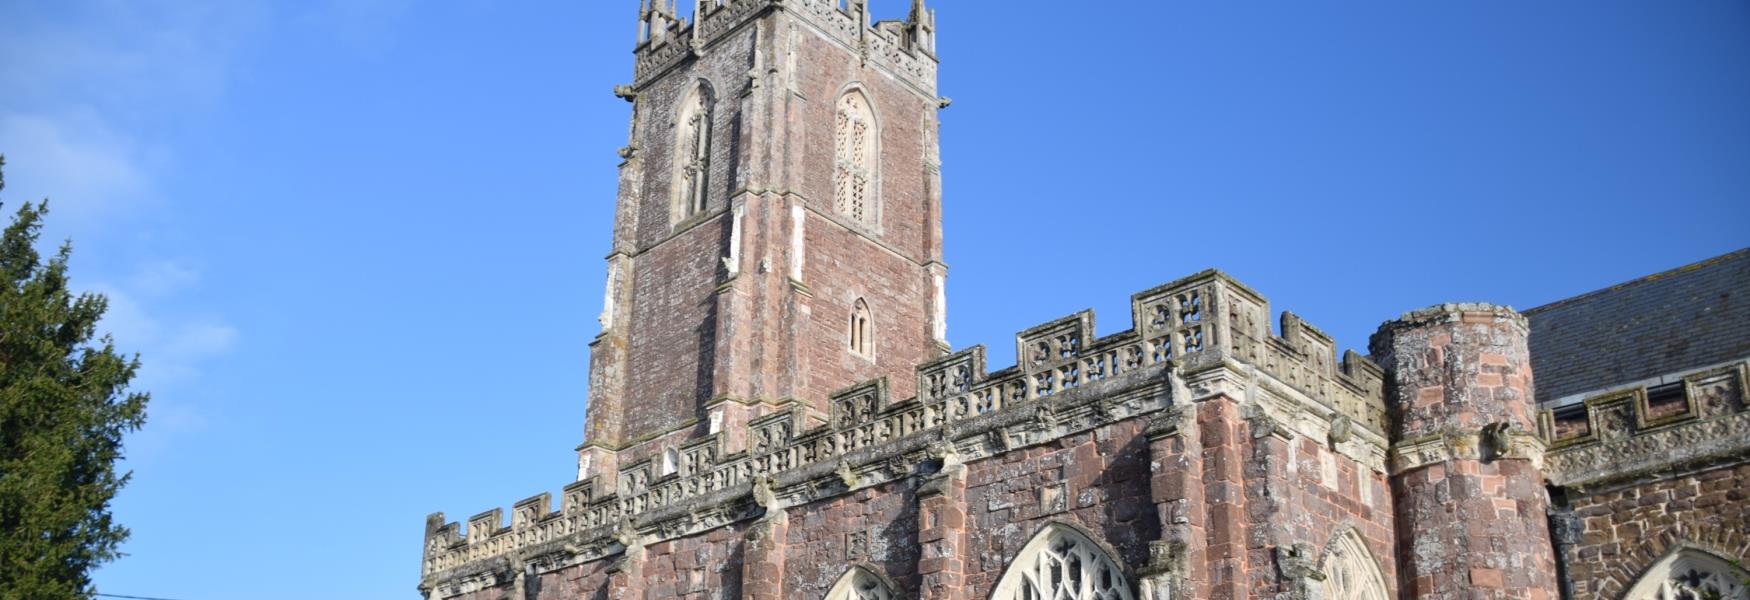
{"x": 64, "y": 407}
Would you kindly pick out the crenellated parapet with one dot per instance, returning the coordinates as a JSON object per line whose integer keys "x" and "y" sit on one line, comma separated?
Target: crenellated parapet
{"x": 907, "y": 49}
{"x": 1676, "y": 423}
{"x": 1195, "y": 338}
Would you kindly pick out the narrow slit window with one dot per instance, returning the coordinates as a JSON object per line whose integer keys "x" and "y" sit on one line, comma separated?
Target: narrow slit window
{"x": 862, "y": 335}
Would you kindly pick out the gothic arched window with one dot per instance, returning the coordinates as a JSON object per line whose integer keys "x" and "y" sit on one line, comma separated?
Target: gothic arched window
{"x": 1062, "y": 564}
{"x": 1690, "y": 574}
{"x": 862, "y": 329}
{"x": 1350, "y": 571}
{"x": 692, "y": 153}
{"x": 854, "y": 154}
{"x": 860, "y": 584}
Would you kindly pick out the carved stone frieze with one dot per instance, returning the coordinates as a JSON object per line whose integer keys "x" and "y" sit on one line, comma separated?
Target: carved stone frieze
{"x": 1721, "y": 437}
{"x": 1483, "y": 444}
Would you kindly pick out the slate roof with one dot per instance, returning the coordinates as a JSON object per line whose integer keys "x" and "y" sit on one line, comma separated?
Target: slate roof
{"x": 1685, "y": 318}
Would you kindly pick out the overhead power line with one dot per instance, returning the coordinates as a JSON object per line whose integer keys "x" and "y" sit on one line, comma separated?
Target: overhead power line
{"x": 130, "y": 597}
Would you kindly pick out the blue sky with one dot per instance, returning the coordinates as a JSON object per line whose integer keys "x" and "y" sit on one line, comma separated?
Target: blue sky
{"x": 358, "y": 242}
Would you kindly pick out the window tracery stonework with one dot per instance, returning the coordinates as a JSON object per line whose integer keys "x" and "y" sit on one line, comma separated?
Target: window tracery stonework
{"x": 1062, "y": 564}
{"x": 860, "y": 584}
{"x": 854, "y": 159}
{"x": 692, "y": 154}
{"x": 1351, "y": 573}
{"x": 1692, "y": 575}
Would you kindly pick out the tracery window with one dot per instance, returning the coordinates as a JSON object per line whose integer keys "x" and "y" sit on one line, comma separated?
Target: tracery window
{"x": 860, "y": 584}
{"x": 1062, "y": 564}
{"x": 862, "y": 329}
{"x": 1692, "y": 575}
{"x": 854, "y": 141}
{"x": 1351, "y": 573}
{"x": 692, "y": 153}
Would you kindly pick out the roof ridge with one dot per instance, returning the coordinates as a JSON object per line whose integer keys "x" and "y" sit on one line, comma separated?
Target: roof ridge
{"x": 1701, "y": 264}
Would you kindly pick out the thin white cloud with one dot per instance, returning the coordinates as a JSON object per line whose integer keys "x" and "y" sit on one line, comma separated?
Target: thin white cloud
{"x": 80, "y": 76}
{"x": 124, "y": 56}
{"x": 196, "y": 341}
{"x": 162, "y": 277}
{"x": 83, "y": 167}
{"x": 172, "y": 350}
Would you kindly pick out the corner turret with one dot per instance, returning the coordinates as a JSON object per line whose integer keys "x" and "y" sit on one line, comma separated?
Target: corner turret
{"x": 1465, "y": 463}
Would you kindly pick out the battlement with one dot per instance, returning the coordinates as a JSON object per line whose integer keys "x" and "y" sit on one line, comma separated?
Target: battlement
{"x": 1660, "y": 425}
{"x": 905, "y": 48}
{"x": 1065, "y": 381}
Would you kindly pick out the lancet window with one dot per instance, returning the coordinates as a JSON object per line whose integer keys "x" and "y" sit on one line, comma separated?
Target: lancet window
{"x": 1063, "y": 564}
{"x": 854, "y": 153}
{"x": 862, "y": 329}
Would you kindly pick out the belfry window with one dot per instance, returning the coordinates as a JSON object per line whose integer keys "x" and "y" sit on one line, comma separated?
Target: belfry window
{"x": 1062, "y": 564}
{"x": 862, "y": 330}
{"x": 692, "y": 153}
{"x": 854, "y": 155}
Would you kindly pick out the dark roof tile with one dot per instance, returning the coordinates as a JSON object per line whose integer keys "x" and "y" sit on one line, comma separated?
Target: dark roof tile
{"x": 1689, "y": 317}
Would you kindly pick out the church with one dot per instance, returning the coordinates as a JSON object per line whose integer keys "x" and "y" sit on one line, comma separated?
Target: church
{"x": 774, "y": 411}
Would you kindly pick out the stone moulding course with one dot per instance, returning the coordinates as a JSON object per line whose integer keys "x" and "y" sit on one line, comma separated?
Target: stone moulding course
{"x": 1624, "y": 444}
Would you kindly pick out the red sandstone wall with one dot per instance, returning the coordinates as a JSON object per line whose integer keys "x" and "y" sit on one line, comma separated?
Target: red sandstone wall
{"x": 1259, "y": 494}
{"x": 842, "y": 264}
{"x": 876, "y": 526}
{"x": 1358, "y": 499}
{"x": 1104, "y": 478}
{"x": 671, "y": 312}
{"x": 899, "y": 111}
{"x": 583, "y": 582}
{"x": 1627, "y": 530}
{"x": 1269, "y": 490}
{"x": 842, "y": 267}
{"x": 672, "y": 330}
{"x": 1497, "y": 510}
{"x": 691, "y": 568}
{"x": 1470, "y": 525}
{"x": 673, "y": 320}
{"x": 725, "y": 69}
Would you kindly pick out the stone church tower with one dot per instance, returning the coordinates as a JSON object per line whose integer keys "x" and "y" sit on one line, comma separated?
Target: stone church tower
{"x": 778, "y": 232}
{"x": 774, "y": 412}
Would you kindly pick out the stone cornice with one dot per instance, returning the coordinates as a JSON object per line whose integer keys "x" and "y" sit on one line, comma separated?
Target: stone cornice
{"x": 1692, "y": 446}
{"x": 1621, "y": 436}
{"x": 1487, "y": 444}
